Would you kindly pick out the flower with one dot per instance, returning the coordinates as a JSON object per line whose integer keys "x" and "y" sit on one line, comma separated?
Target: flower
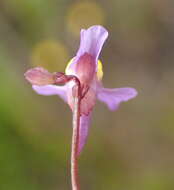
{"x": 88, "y": 69}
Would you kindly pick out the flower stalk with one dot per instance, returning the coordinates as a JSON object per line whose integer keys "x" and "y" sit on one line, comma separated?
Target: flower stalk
{"x": 77, "y": 95}
{"x": 75, "y": 143}
{"x": 75, "y": 135}
{"x": 76, "y": 91}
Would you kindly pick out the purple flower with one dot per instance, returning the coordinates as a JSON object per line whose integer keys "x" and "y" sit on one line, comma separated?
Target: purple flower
{"x": 88, "y": 69}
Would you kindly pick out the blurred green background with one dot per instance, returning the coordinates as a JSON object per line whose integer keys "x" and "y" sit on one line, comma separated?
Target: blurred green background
{"x": 131, "y": 149}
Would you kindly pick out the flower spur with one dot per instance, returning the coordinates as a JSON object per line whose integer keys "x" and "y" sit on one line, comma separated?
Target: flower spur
{"x": 84, "y": 70}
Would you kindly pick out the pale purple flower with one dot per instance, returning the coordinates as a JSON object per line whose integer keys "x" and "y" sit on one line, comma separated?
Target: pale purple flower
{"x": 88, "y": 69}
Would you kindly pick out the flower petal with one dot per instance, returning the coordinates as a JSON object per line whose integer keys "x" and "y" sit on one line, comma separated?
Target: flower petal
{"x": 48, "y": 90}
{"x": 83, "y": 132}
{"x": 113, "y": 97}
{"x": 91, "y": 42}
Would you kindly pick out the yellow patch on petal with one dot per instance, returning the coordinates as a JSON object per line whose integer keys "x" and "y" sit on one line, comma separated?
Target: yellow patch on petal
{"x": 99, "y": 70}
{"x": 68, "y": 70}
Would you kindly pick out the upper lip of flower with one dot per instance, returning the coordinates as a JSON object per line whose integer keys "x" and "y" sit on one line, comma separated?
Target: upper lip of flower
{"x": 91, "y": 44}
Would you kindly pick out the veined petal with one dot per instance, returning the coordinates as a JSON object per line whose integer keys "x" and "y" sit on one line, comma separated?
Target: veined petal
{"x": 39, "y": 76}
{"x": 113, "y": 97}
{"x": 91, "y": 42}
{"x": 87, "y": 102}
{"x": 49, "y": 90}
{"x": 83, "y": 132}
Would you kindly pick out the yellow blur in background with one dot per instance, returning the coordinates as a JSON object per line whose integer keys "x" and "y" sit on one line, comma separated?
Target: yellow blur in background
{"x": 84, "y": 14}
{"x": 51, "y": 55}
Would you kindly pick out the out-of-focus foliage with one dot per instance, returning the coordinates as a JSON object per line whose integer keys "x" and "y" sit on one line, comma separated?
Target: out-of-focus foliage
{"x": 129, "y": 149}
